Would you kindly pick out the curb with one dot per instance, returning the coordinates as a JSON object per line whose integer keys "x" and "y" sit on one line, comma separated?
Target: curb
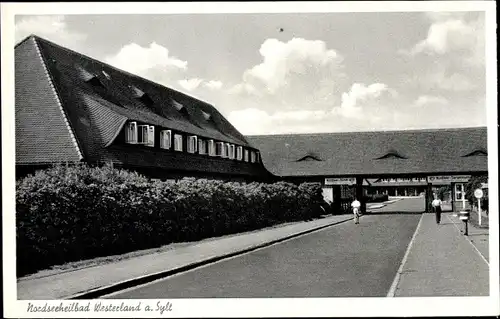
{"x": 101, "y": 291}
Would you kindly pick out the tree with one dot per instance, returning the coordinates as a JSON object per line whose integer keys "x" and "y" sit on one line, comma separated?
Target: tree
{"x": 473, "y": 184}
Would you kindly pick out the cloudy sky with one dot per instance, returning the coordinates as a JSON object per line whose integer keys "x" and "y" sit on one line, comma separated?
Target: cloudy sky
{"x": 298, "y": 73}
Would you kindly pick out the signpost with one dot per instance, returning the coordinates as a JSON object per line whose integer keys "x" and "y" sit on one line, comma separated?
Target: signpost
{"x": 478, "y": 193}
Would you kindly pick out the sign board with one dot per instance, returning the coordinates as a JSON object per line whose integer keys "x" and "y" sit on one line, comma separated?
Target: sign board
{"x": 478, "y": 193}
{"x": 340, "y": 181}
{"x": 448, "y": 179}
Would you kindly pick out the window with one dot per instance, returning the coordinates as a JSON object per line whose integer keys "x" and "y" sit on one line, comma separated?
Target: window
{"x": 219, "y": 149}
{"x": 178, "y": 142}
{"x": 257, "y": 157}
{"x": 146, "y": 135}
{"x": 252, "y": 156}
{"x": 192, "y": 144}
{"x": 226, "y": 150}
{"x": 202, "y": 146}
{"x": 246, "y": 156}
{"x": 166, "y": 139}
{"x": 131, "y": 133}
{"x": 231, "y": 151}
{"x": 211, "y": 148}
{"x": 459, "y": 191}
{"x": 239, "y": 153}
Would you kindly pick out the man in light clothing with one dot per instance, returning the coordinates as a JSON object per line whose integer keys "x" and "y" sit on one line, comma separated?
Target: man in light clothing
{"x": 355, "y": 209}
{"x": 436, "y": 206}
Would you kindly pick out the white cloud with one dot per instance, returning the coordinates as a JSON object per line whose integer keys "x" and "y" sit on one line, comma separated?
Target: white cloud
{"x": 451, "y": 34}
{"x": 287, "y": 65}
{"x": 354, "y": 108}
{"x": 243, "y": 88}
{"x": 213, "y": 84}
{"x": 359, "y": 94}
{"x": 430, "y": 100}
{"x": 449, "y": 81}
{"x": 50, "y": 27}
{"x": 139, "y": 60}
{"x": 446, "y": 36}
{"x": 190, "y": 84}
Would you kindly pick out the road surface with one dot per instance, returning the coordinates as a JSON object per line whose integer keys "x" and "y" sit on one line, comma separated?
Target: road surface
{"x": 344, "y": 260}
{"x": 405, "y": 205}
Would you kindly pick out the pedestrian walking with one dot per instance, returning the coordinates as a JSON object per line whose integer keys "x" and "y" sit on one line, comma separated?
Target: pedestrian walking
{"x": 436, "y": 206}
{"x": 355, "y": 209}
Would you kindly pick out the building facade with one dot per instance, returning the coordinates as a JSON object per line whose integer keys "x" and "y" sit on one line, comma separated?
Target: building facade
{"x": 70, "y": 108}
{"x": 396, "y": 163}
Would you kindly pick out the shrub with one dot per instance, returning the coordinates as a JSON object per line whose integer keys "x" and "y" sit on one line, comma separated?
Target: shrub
{"x": 78, "y": 212}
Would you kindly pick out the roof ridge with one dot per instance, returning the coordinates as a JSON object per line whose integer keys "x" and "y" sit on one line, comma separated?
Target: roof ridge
{"x": 24, "y": 40}
{"x": 58, "y": 99}
{"x": 375, "y": 131}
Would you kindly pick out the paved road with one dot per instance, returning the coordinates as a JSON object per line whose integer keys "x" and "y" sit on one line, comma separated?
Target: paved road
{"x": 410, "y": 205}
{"x": 345, "y": 260}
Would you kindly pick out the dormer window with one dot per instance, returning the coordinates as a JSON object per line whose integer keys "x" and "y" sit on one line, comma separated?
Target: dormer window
{"x": 391, "y": 154}
{"x": 166, "y": 139}
{"x": 202, "y": 146}
{"x": 239, "y": 153}
{"x": 206, "y": 116}
{"x": 106, "y": 75}
{"x": 90, "y": 78}
{"x": 211, "y": 148}
{"x": 142, "y": 96}
{"x": 478, "y": 152}
{"x": 178, "y": 142}
{"x": 192, "y": 144}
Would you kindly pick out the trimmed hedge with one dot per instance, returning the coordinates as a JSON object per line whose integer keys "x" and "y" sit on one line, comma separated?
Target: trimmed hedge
{"x": 79, "y": 212}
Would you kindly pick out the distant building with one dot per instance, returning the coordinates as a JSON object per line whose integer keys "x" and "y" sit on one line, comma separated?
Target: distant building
{"x": 397, "y": 163}
{"x": 70, "y": 108}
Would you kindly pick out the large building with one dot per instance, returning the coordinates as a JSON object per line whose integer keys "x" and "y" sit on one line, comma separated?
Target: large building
{"x": 397, "y": 163}
{"x": 70, "y": 108}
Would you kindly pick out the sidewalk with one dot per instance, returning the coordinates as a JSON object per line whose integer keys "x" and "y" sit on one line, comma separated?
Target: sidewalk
{"x": 71, "y": 284}
{"x": 444, "y": 262}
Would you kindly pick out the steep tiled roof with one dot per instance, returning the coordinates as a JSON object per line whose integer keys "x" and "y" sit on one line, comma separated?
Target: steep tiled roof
{"x": 383, "y": 152}
{"x": 70, "y": 106}
{"x": 42, "y": 129}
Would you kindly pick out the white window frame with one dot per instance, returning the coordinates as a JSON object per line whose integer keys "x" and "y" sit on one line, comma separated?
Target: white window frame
{"x": 166, "y": 139}
{"x": 252, "y": 156}
{"x": 231, "y": 151}
{"x": 192, "y": 144}
{"x": 211, "y": 147}
{"x": 459, "y": 190}
{"x": 178, "y": 140}
{"x": 142, "y": 134}
{"x": 239, "y": 153}
{"x": 202, "y": 146}
{"x": 245, "y": 155}
{"x": 219, "y": 146}
{"x": 151, "y": 136}
{"x": 131, "y": 133}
